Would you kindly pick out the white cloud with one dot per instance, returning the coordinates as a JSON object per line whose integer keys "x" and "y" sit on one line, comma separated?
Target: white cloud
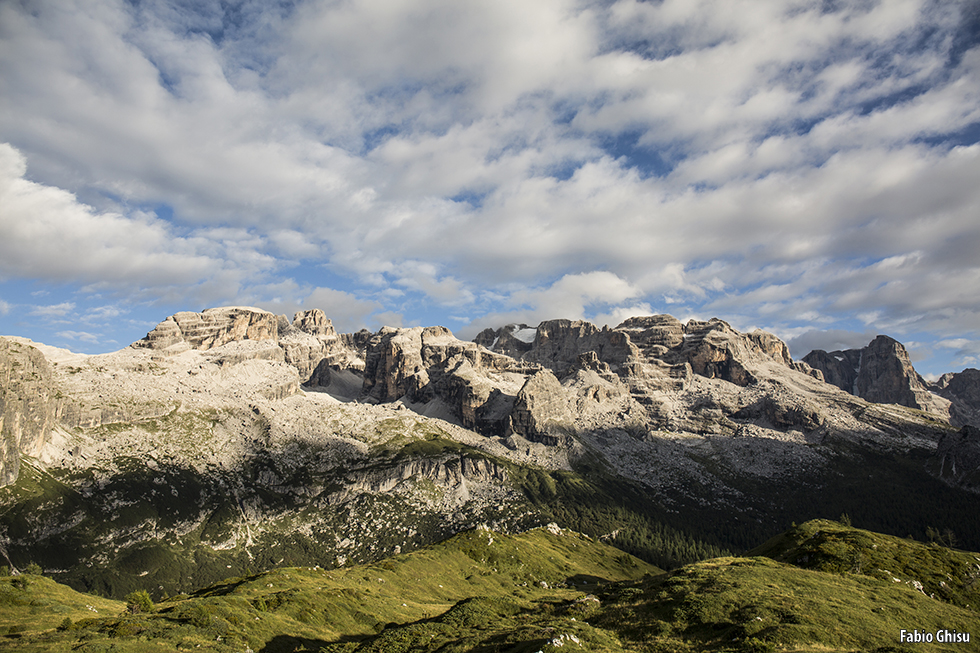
{"x": 782, "y": 164}
{"x": 82, "y": 336}
{"x": 54, "y": 310}
{"x": 348, "y": 312}
{"x": 48, "y": 234}
{"x": 573, "y": 297}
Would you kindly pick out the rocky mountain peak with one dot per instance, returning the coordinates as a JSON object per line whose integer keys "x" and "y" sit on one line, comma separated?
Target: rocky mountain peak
{"x": 314, "y": 322}
{"x": 962, "y": 389}
{"x": 881, "y": 372}
{"x": 309, "y": 343}
{"x": 212, "y": 328}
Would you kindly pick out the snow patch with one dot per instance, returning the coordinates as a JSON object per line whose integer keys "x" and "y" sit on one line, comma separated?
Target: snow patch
{"x": 526, "y": 335}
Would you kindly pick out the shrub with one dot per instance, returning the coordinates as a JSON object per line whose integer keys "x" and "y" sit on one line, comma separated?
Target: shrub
{"x": 67, "y": 624}
{"x": 33, "y": 568}
{"x": 139, "y": 601}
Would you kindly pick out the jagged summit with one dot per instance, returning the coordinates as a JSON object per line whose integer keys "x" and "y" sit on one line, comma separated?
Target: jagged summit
{"x": 880, "y": 372}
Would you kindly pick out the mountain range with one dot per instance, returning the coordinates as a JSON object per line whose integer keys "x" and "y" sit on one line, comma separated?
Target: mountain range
{"x": 233, "y": 441}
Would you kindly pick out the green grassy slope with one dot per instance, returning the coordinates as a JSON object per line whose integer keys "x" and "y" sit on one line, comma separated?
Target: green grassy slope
{"x": 293, "y": 609}
{"x": 539, "y": 591}
{"x": 941, "y": 573}
{"x": 758, "y": 604}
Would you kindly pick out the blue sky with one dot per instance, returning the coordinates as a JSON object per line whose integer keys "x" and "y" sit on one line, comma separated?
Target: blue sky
{"x": 810, "y": 168}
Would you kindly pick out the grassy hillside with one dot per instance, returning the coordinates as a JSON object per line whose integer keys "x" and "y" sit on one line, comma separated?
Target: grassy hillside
{"x": 293, "y": 609}
{"x": 936, "y": 571}
{"x": 545, "y": 590}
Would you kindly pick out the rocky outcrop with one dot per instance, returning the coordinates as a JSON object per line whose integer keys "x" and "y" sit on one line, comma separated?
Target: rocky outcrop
{"x": 417, "y": 363}
{"x": 213, "y": 328}
{"x": 313, "y": 347}
{"x": 962, "y": 389}
{"x": 558, "y": 343}
{"x": 881, "y": 373}
{"x": 28, "y": 405}
{"x": 513, "y": 340}
{"x": 668, "y": 349}
{"x": 541, "y": 412}
{"x": 781, "y": 412}
{"x": 839, "y": 368}
{"x": 957, "y": 459}
{"x": 451, "y": 472}
{"x": 309, "y": 343}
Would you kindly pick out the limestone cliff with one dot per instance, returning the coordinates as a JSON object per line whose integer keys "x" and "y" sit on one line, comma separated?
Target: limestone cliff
{"x": 213, "y": 328}
{"x": 957, "y": 458}
{"x": 881, "y": 373}
{"x": 962, "y": 389}
{"x": 309, "y": 343}
{"x": 28, "y": 405}
{"x": 313, "y": 347}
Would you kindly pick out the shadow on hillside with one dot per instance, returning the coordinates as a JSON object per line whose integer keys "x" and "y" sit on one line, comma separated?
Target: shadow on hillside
{"x": 289, "y": 644}
{"x": 586, "y": 581}
{"x": 222, "y": 588}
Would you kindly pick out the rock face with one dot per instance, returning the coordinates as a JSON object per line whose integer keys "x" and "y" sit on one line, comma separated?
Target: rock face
{"x": 710, "y": 349}
{"x": 313, "y": 347}
{"x": 541, "y": 412}
{"x": 881, "y": 373}
{"x": 962, "y": 389}
{"x": 28, "y": 405}
{"x": 957, "y": 458}
{"x": 839, "y": 368}
{"x": 431, "y": 366}
{"x": 310, "y": 343}
{"x": 213, "y": 328}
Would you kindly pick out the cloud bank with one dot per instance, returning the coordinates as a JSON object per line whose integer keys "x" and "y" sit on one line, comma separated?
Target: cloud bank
{"x": 804, "y": 167}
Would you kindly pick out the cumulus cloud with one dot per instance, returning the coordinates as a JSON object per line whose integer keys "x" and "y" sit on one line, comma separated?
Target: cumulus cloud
{"x": 54, "y": 310}
{"x": 348, "y": 312}
{"x": 829, "y": 340}
{"x": 573, "y": 297}
{"x": 82, "y": 336}
{"x": 49, "y": 234}
{"x": 798, "y": 166}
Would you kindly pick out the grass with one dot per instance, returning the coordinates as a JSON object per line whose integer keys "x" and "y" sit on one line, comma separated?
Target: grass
{"x": 482, "y": 591}
{"x": 944, "y": 574}
{"x": 292, "y": 607}
{"x": 761, "y": 604}
{"x": 30, "y": 602}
